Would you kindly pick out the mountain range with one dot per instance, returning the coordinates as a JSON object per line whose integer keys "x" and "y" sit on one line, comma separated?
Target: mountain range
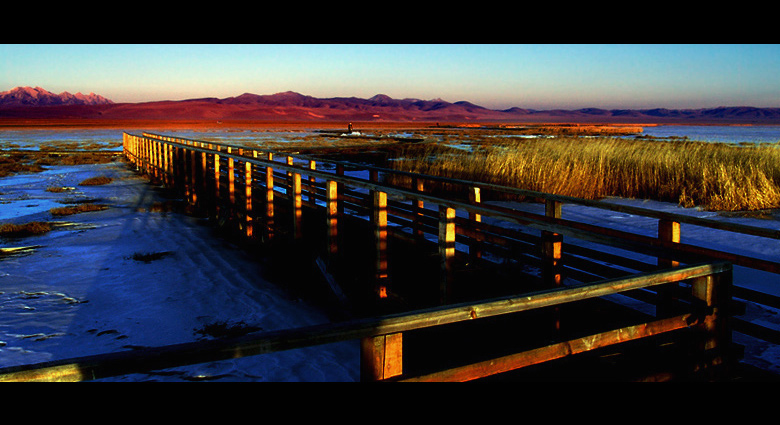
{"x": 36, "y": 96}
{"x": 31, "y": 103}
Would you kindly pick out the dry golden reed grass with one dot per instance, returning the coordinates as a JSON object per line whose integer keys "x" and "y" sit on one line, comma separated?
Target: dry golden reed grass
{"x": 80, "y": 208}
{"x": 713, "y": 176}
{"x": 22, "y": 230}
{"x": 96, "y": 181}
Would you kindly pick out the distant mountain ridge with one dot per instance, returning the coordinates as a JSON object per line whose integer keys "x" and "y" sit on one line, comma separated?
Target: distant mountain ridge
{"x": 26, "y": 102}
{"x": 36, "y": 96}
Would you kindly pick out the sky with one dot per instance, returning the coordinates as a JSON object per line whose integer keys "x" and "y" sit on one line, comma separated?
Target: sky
{"x": 496, "y": 76}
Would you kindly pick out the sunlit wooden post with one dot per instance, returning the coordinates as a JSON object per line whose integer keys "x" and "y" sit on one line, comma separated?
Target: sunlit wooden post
{"x": 419, "y": 211}
{"x": 552, "y": 248}
{"x": 231, "y": 178}
{"x": 475, "y": 196}
{"x": 297, "y": 204}
{"x": 331, "y": 193}
{"x": 289, "y": 161}
{"x": 204, "y": 179}
{"x": 141, "y": 145}
{"x": 193, "y": 177}
{"x": 151, "y": 159}
{"x": 312, "y": 180}
{"x": 161, "y": 162}
{"x": 173, "y": 166}
{"x": 216, "y": 184}
{"x": 379, "y": 220}
{"x": 714, "y": 293}
{"x": 269, "y": 199}
{"x": 165, "y": 163}
{"x": 552, "y": 252}
{"x": 446, "y": 250}
{"x": 668, "y": 231}
{"x": 156, "y": 159}
{"x": 248, "y": 195}
{"x": 381, "y": 357}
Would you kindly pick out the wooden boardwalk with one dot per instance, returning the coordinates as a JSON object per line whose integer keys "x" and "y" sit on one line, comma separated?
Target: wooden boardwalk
{"x": 438, "y": 282}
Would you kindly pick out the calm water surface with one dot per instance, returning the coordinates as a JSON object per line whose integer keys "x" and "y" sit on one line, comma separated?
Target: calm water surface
{"x": 109, "y": 138}
{"x": 721, "y": 134}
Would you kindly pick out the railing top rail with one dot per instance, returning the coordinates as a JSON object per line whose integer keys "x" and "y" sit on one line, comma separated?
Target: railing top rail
{"x": 681, "y": 218}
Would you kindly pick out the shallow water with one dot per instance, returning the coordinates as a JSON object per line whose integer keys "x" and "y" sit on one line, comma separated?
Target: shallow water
{"x": 33, "y": 138}
{"x": 717, "y": 133}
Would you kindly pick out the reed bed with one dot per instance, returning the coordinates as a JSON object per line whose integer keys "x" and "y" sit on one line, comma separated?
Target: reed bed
{"x": 76, "y": 209}
{"x": 713, "y": 176}
{"x": 33, "y": 228}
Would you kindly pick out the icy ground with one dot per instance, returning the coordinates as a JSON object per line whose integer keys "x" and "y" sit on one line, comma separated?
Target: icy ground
{"x": 80, "y": 292}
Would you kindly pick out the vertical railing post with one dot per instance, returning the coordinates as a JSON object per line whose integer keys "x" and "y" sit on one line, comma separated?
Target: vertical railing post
{"x": 164, "y": 151}
{"x": 419, "y": 211}
{"x": 157, "y": 160}
{"x": 216, "y": 185}
{"x": 269, "y": 199}
{"x": 552, "y": 252}
{"x": 446, "y": 250}
{"x": 204, "y": 181}
{"x": 668, "y": 231}
{"x": 148, "y": 153}
{"x": 379, "y": 220}
{"x": 714, "y": 295}
{"x": 231, "y": 178}
{"x": 552, "y": 248}
{"x": 312, "y": 180}
{"x": 297, "y": 205}
{"x": 289, "y": 161}
{"x": 381, "y": 357}
{"x": 248, "y": 181}
{"x": 475, "y": 251}
{"x": 331, "y": 193}
{"x": 193, "y": 178}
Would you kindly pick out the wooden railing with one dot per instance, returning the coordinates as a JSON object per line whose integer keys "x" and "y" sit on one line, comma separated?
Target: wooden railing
{"x": 382, "y": 356}
{"x": 265, "y": 194}
{"x": 576, "y": 261}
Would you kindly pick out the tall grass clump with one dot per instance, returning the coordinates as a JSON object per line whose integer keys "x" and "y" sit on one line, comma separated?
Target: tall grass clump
{"x": 713, "y": 176}
{"x": 32, "y": 228}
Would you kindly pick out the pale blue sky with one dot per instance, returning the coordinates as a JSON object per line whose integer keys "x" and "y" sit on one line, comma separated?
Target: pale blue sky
{"x": 497, "y": 76}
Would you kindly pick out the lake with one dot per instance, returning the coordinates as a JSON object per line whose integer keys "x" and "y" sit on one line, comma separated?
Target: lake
{"x": 718, "y": 133}
{"x": 108, "y": 138}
